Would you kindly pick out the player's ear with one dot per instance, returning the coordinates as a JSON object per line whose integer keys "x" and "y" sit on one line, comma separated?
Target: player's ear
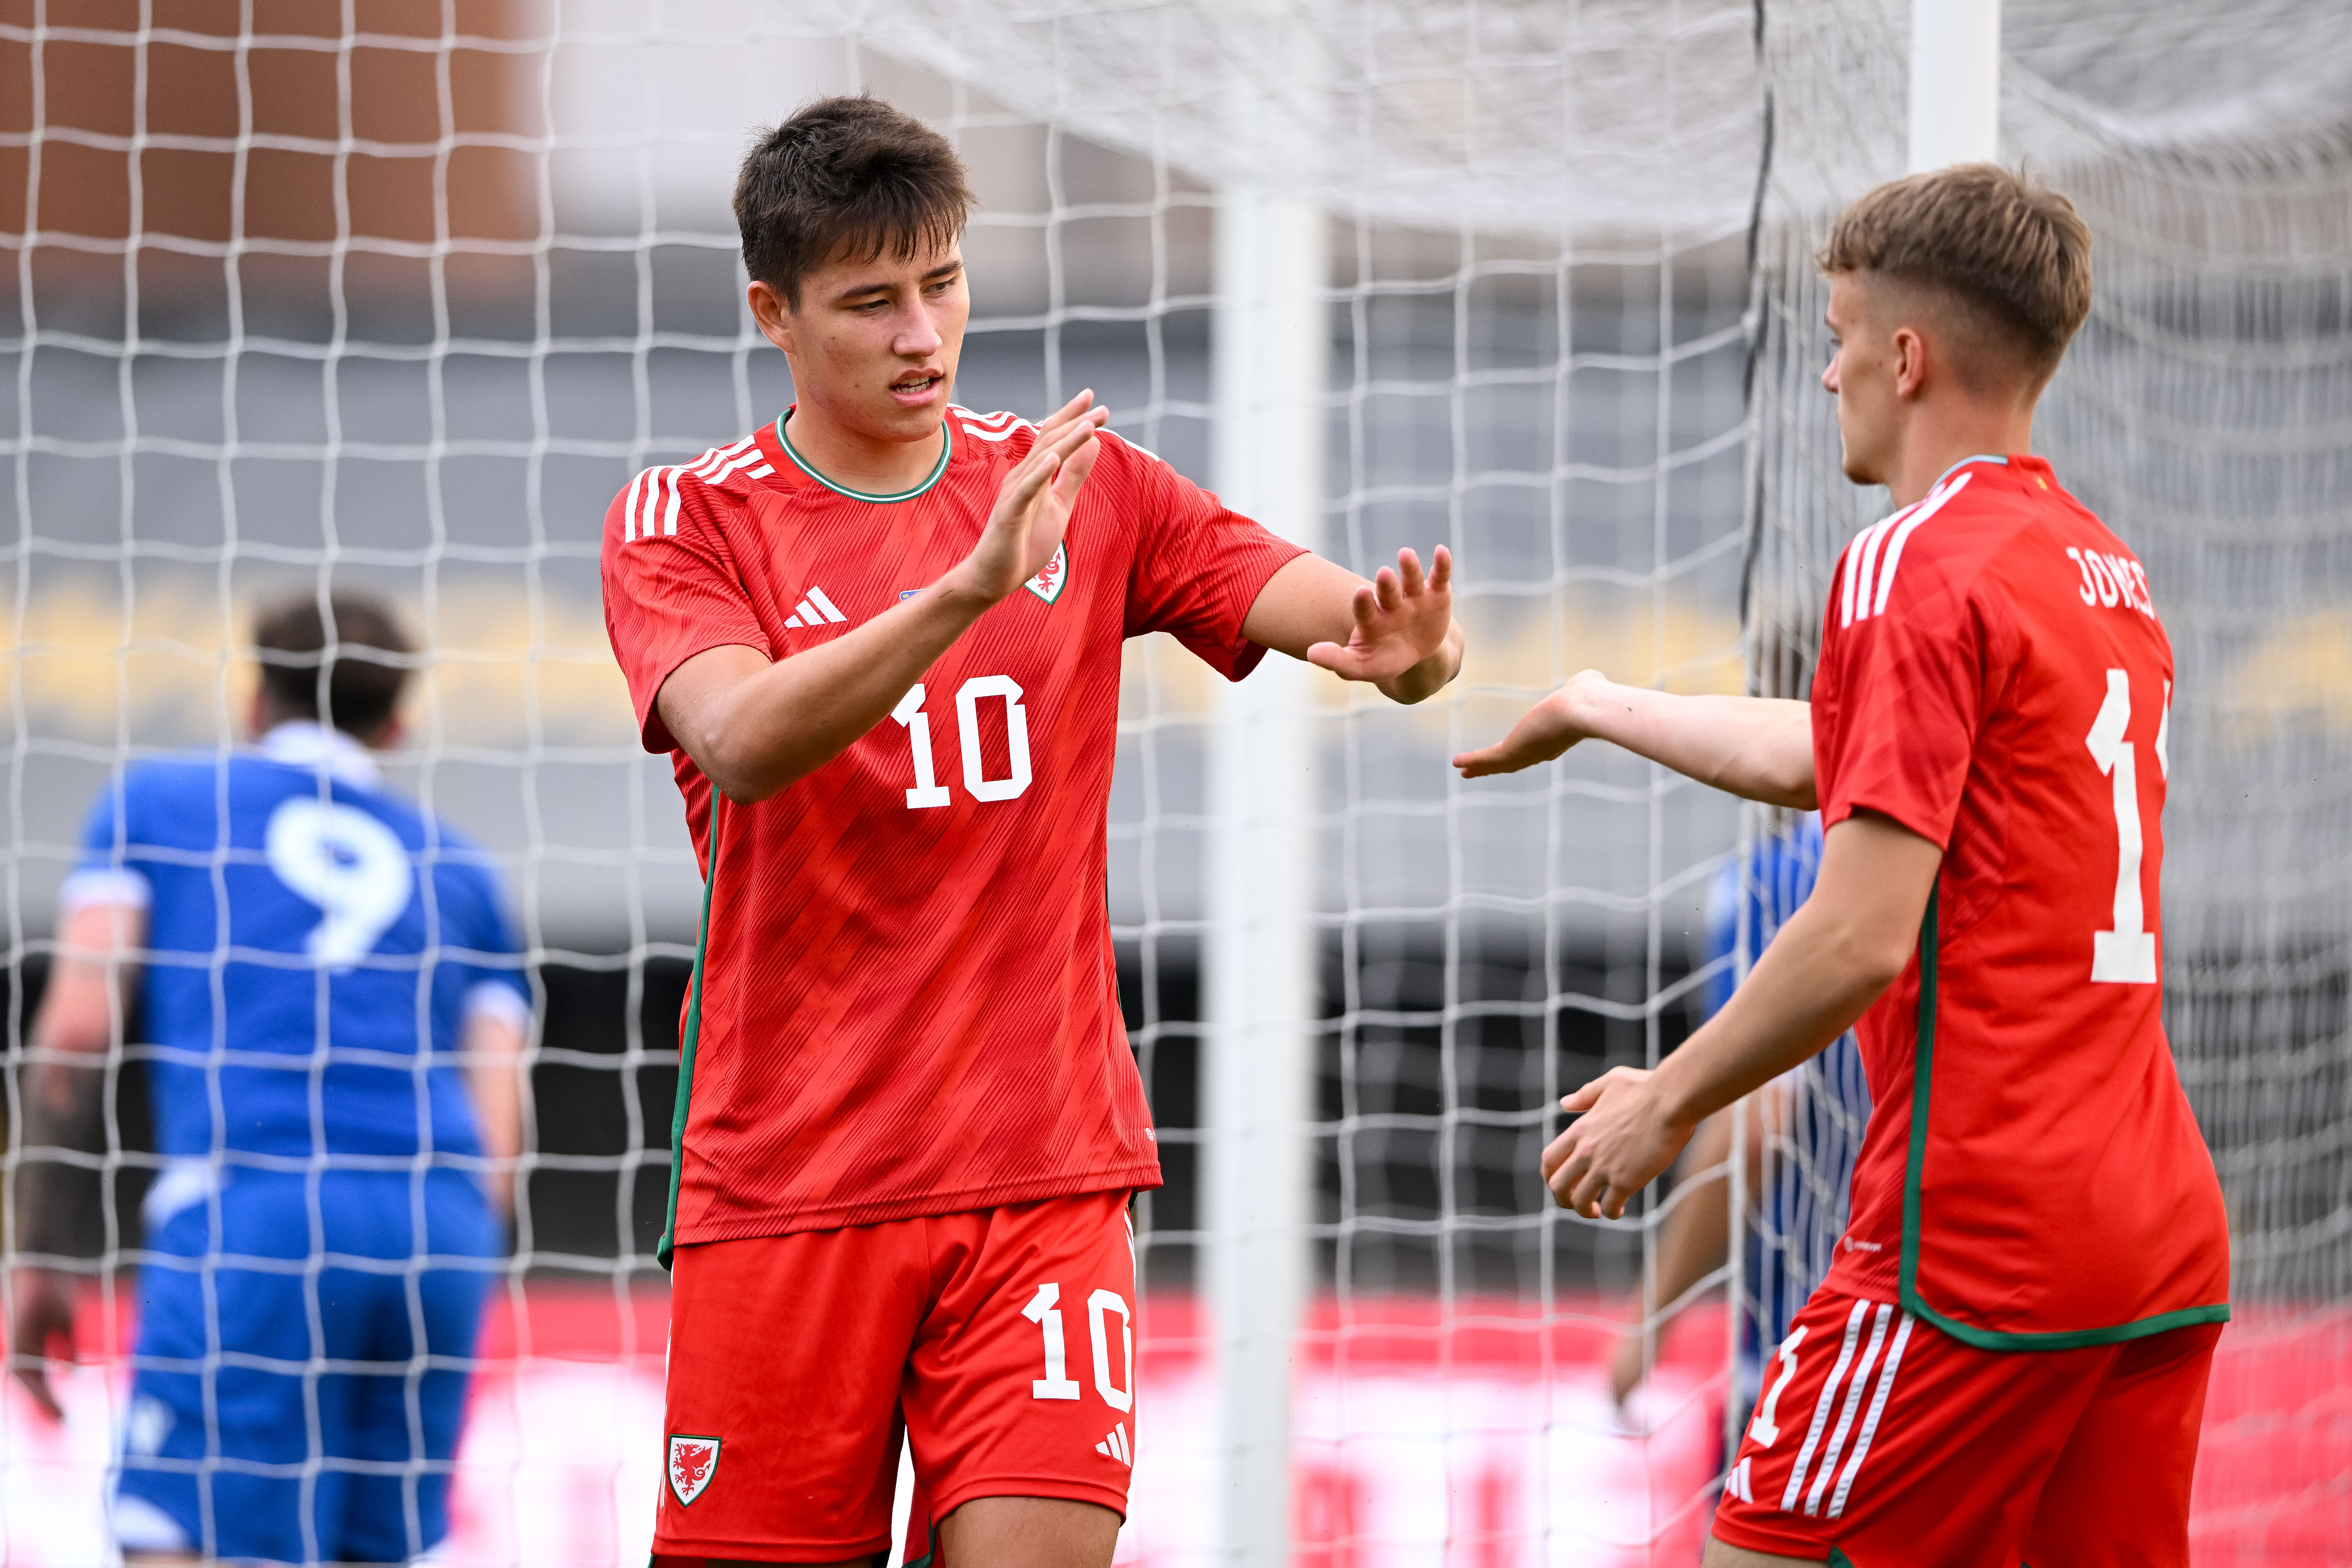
{"x": 1910, "y": 348}
{"x": 775, "y": 317}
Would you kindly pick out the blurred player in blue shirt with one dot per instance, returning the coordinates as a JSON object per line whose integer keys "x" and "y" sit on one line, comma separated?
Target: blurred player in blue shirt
{"x": 337, "y": 1006}
{"x": 1804, "y": 1132}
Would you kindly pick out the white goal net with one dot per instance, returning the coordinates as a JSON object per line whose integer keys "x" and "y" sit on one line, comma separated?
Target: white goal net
{"x": 400, "y": 297}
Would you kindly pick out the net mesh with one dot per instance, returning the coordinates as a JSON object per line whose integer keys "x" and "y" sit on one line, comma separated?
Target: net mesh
{"x": 404, "y": 297}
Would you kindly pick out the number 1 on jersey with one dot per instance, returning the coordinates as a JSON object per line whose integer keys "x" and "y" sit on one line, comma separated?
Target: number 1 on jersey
{"x": 2126, "y": 954}
{"x": 928, "y": 790}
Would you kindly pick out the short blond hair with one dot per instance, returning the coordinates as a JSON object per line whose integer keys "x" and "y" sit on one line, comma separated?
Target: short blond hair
{"x": 2011, "y": 253}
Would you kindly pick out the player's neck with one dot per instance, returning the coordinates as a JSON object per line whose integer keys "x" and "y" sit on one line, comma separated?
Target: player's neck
{"x": 1940, "y": 438}
{"x": 857, "y": 461}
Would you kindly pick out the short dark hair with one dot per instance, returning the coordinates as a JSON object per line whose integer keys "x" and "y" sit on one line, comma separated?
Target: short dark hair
{"x": 352, "y": 655}
{"x": 2010, "y": 252}
{"x": 841, "y": 174}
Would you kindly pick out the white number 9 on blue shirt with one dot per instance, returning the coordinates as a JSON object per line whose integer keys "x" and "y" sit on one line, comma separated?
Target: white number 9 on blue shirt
{"x": 350, "y": 865}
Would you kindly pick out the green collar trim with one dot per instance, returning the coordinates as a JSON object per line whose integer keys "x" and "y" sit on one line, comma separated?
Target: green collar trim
{"x": 1923, "y": 1068}
{"x": 947, "y": 450}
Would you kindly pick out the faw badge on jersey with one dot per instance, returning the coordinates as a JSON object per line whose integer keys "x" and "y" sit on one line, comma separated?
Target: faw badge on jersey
{"x": 692, "y": 1462}
{"x": 1048, "y": 584}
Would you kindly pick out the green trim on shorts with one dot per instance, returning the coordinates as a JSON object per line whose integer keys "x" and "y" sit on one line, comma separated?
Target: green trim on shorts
{"x": 1922, "y": 1083}
{"x": 689, "y": 1037}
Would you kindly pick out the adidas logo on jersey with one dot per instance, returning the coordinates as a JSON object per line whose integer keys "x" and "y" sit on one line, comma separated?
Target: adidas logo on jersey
{"x": 813, "y": 610}
{"x": 1739, "y": 1485}
{"x": 1115, "y": 1447}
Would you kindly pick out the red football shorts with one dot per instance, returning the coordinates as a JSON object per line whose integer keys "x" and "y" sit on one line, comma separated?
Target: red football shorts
{"x": 1001, "y": 1342}
{"x": 1881, "y": 1439}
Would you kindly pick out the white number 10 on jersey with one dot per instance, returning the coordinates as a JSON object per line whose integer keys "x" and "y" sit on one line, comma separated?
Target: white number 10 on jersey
{"x": 928, "y": 790}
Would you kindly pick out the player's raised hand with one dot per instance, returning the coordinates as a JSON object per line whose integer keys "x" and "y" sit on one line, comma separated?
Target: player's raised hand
{"x": 1543, "y": 732}
{"x": 1402, "y": 617}
{"x": 1621, "y": 1142}
{"x": 44, "y": 1312}
{"x": 1033, "y": 505}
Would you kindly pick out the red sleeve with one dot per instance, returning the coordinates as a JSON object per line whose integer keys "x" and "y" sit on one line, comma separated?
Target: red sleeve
{"x": 1898, "y": 698}
{"x": 669, "y": 596}
{"x": 1199, "y": 566}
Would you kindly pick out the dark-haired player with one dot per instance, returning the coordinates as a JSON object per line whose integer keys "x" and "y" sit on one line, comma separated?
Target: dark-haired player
{"x": 335, "y": 1001}
{"x": 2007, "y": 1361}
{"x": 880, "y": 637}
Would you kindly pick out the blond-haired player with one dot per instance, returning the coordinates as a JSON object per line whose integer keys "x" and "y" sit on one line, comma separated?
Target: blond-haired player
{"x": 2007, "y": 1361}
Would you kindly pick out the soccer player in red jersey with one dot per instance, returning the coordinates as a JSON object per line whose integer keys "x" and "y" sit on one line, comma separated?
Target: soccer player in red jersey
{"x": 880, "y": 638}
{"x": 2007, "y": 1361}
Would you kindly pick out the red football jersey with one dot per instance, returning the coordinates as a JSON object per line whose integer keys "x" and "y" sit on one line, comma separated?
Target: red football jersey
{"x": 1993, "y": 676}
{"x": 904, "y": 1002}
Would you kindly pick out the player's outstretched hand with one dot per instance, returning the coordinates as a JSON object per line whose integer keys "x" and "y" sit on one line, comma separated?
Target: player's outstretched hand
{"x": 1401, "y": 618}
{"x": 43, "y": 1313}
{"x": 1033, "y": 505}
{"x": 1619, "y": 1144}
{"x": 1546, "y": 730}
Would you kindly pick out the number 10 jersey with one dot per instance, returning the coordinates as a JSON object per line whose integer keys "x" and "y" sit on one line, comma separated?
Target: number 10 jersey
{"x": 904, "y": 1002}
{"x": 1993, "y": 676}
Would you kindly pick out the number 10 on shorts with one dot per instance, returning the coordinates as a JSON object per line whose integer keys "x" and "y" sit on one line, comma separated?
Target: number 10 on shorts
{"x": 1057, "y": 1383}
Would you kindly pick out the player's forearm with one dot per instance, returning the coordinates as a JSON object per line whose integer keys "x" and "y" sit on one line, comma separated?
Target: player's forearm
{"x": 1835, "y": 956}
{"x": 495, "y": 1081}
{"x": 1759, "y": 748}
{"x": 61, "y": 1103}
{"x": 494, "y": 1069}
{"x": 1319, "y": 612}
{"x": 755, "y": 728}
{"x": 63, "y": 1086}
{"x": 1304, "y": 603}
{"x": 1811, "y": 984}
{"x": 493, "y": 1046}
{"x": 1428, "y": 677}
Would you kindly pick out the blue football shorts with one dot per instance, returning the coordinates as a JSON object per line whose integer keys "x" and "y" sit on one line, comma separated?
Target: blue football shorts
{"x": 299, "y": 1379}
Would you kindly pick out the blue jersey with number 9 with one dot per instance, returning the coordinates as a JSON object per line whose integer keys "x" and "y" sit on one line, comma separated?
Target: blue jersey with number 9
{"x": 312, "y": 945}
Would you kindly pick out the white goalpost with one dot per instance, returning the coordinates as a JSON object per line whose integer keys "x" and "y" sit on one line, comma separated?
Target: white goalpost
{"x": 400, "y": 298}
{"x": 1269, "y": 350}
{"x": 1955, "y": 97}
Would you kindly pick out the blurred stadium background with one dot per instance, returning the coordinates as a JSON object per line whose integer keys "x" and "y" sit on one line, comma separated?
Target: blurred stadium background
{"x": 402, "y": 292}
